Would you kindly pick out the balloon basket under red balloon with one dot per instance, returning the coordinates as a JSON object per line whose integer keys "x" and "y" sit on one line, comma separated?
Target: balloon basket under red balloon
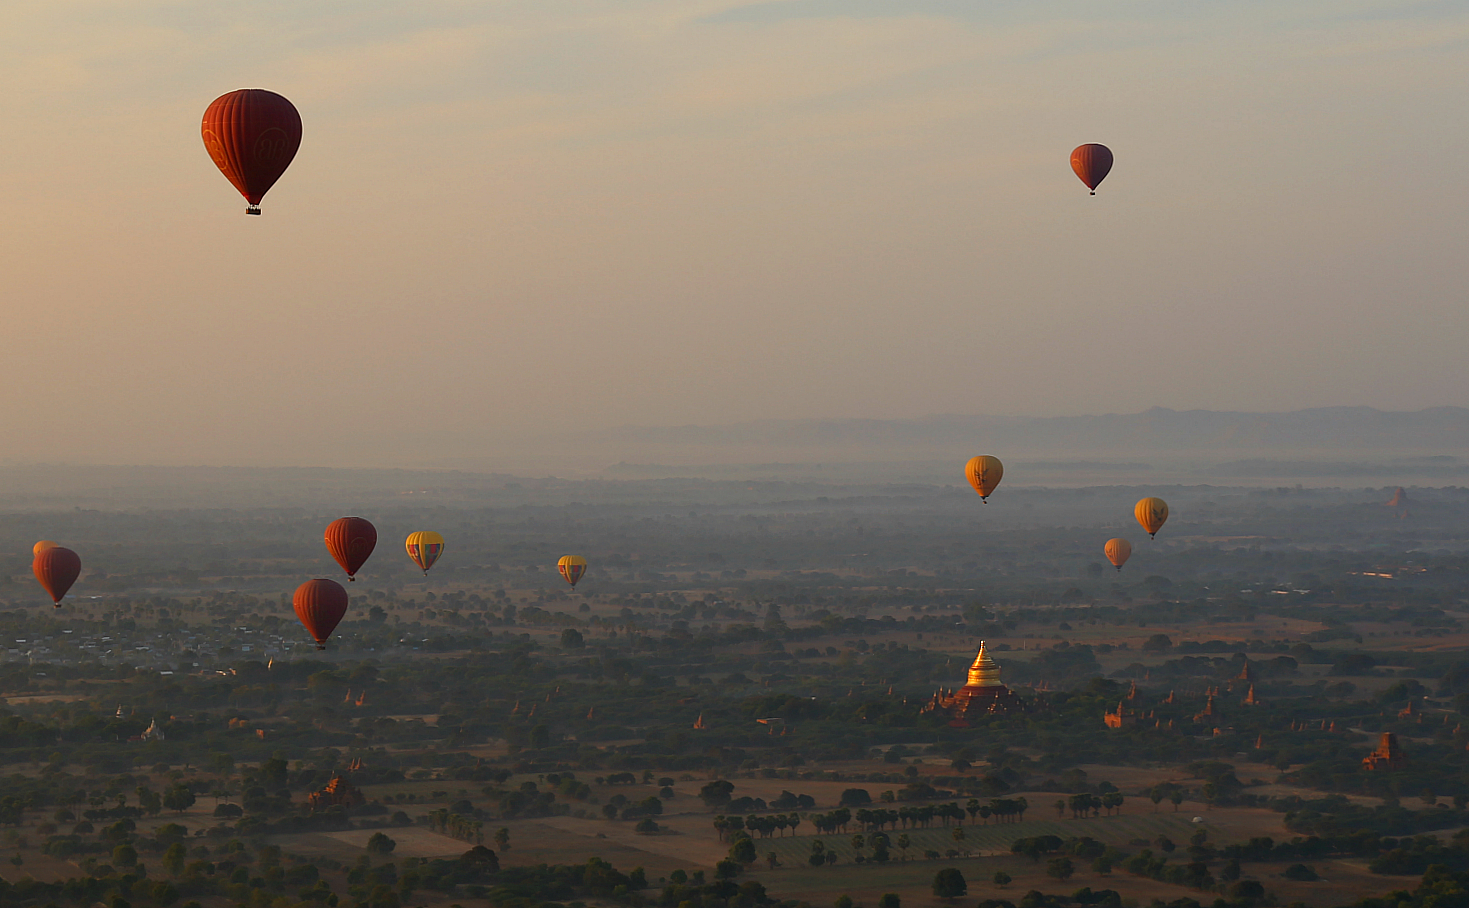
{"x": 255, "y": 209}
{"x": 320, "y": 647}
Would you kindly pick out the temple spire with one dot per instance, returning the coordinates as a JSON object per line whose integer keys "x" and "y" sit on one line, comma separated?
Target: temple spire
{"x": 985, "y": 672}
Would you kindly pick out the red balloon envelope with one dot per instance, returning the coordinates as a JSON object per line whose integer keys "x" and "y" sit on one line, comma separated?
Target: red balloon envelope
{"x": 320, "y": 604}
{"x": 57, "y": 569}
{"x": 1092, "y": 163}
{"x": 351, "y": 540}
{"x": 252, "y": 135}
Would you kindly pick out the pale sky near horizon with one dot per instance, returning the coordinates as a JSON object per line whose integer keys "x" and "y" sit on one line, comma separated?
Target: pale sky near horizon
{"x": 508, "y": 219}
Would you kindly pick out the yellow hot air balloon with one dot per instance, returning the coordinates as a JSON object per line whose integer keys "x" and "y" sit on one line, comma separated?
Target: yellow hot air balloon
{"x": 42, "y": 546}
{"x": 1118, "y": 551}
{"x": 572, "y": 567}
{"x": 1152, "y": 513}
{"x": 984, "y": 473}
{"x": 424, "y": 547}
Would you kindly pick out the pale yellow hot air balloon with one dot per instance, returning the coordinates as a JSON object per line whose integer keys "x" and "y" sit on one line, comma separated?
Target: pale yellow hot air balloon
{"x": 1152, "y": 513}
{"x": 1118, "y": 551}
{"x": 984, "y": 473}
{"x": 571, "y": 568}
{"x": 42, "y": 546}
{"x": 424, "y": 547}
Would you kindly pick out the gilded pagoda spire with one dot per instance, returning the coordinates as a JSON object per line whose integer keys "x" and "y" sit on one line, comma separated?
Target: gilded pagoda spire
{"x": 985, "y": 672}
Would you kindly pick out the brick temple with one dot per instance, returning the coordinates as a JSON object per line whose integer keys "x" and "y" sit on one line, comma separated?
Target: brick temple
{"x": 983, "y": 695}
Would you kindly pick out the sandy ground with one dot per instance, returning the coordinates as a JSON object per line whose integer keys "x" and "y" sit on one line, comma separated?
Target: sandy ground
{"x": 38, "y": 866}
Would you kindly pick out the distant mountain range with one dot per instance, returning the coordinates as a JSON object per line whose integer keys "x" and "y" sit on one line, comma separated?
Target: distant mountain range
{"x": 1439, "y": 430}
{"x": 1325, "y": 445}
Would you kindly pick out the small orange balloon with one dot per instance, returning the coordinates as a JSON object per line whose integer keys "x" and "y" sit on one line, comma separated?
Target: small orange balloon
{"x": 984, "y": 473}
{"x": 1118, "y": 551}
{"x": 1152, "y": 513}
{"x": 42, "y": 546}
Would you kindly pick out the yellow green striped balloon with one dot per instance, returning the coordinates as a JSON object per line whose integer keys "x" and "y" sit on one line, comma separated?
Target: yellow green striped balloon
{"x": 425, "y": 547}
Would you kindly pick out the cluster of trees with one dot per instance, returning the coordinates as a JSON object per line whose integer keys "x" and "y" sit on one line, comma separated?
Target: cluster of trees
{"x": 466, "y": 829}
{"x": 1085, "y": 803}
{"x": 914, "y": 817}
{"x": 764, "y": 826}
{"x": 1003, "y": 809}
{"x": 1194, "y": 874}
{"x": 1006, "y": 810}
{"x": 1336, "y": 816}
{"x": 234, "y": 873}
{"x": 1413, "y": 856}
{"x": 832, "y": 821}
{"x": 1408, "y": 856}
{"x": 525, "y": 801}
{"x": 619, "y": 806}
{"x": 1440, "y": 886}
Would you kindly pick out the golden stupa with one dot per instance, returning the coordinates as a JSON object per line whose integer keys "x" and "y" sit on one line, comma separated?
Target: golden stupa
{"x": 983, "y": 695}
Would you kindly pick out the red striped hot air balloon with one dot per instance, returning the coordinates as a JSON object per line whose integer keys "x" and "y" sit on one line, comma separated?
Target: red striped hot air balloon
{"x": 320, "y": 604}
{"x": 252, "y": 135}
{"x": 57, "y": 569}
{"x": 1092, "y": 163}
{"x": 351, "y": 540}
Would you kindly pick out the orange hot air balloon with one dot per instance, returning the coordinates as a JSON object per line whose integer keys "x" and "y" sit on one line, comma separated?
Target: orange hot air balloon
{"x": 57, "y": 569}
{"x": 320, "y": 604}
{"x": 351, "y": 540}
{"x": 1152, "y": 513}
{"x": 984, "y": 473}
{"x": 42, "y": 546}
{"x": 424, "y": 547}
{"x": 1092, "y": 163}
{"x": 1118, "y": 551}
{"x": 571, "y": 568}
{"x": 252, "y": 135}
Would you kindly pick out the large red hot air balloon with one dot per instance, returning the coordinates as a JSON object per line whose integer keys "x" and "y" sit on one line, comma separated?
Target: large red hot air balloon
{"x": 57, "y": 569}
{"x": 252, "y": 135}
{"x": 1092, "y": 163}
{"x": 351, "y": 540}
{"x": 320, "y": 604}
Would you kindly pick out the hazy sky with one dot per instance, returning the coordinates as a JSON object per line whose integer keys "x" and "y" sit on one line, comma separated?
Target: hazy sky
{"x": 510, "y": 218}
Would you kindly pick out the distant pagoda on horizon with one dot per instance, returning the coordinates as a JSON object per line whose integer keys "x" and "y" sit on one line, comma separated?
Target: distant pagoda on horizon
{"x": 983, "y": 695}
